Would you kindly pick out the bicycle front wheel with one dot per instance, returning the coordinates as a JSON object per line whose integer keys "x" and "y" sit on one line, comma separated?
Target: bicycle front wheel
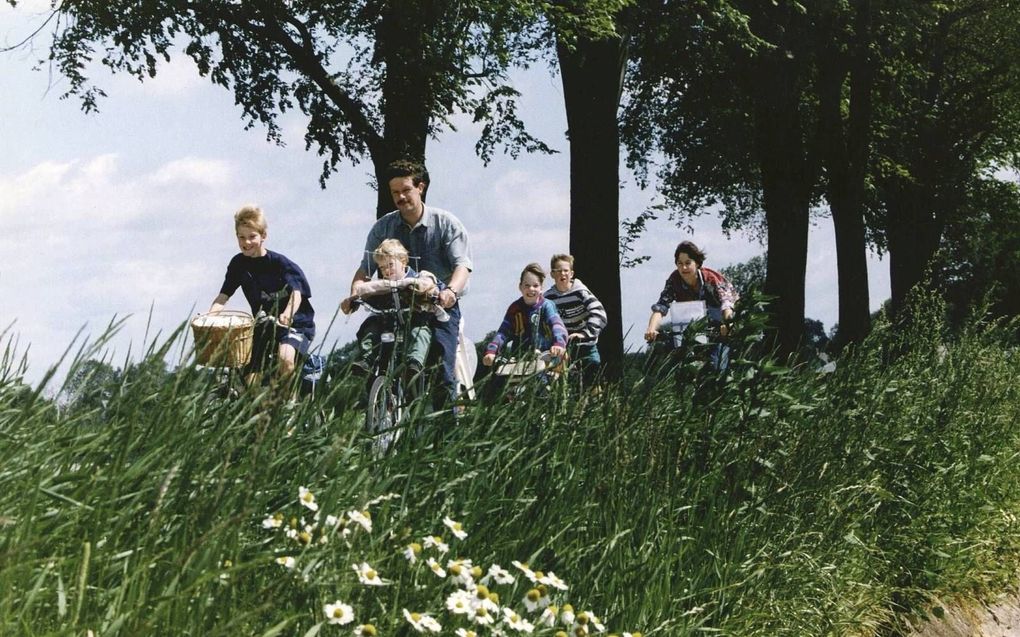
{"x": 384, "y": 410}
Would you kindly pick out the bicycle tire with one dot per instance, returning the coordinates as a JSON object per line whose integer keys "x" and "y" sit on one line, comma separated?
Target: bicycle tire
{"x": 384, "y": 410}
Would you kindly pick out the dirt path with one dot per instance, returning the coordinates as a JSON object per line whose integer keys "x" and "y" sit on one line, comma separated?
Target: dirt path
{"x": 1001, "y": 619}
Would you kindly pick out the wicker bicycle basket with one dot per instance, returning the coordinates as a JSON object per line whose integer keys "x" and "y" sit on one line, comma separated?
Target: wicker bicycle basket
{"x": 224, "y": 338}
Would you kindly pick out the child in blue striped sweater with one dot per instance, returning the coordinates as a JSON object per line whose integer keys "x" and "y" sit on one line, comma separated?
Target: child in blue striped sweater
{"x": 531, "y": 322}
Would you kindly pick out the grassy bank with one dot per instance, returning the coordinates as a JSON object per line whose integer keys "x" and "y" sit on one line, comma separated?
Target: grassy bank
{"x": 777, "y": 501}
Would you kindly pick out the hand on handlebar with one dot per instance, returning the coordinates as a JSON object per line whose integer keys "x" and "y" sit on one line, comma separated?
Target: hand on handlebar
{"x": 488, "y": 359}
{"x": 557, "y": 352}
{"x": 350, "y": 304}
{"x": 447, "y": 298}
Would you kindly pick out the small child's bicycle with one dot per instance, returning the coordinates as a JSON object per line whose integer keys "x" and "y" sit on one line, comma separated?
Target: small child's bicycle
{"x": 514, "y": 375}
{"x": 390, "y": 390}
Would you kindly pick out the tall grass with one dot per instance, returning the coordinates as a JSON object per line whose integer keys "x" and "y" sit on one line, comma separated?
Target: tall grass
{"x": 774, "y": 501}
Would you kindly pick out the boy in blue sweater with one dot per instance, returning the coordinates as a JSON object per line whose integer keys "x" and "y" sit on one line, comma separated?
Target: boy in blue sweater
{"x": 531, "y": 321}
{"x": 273, "y": 284}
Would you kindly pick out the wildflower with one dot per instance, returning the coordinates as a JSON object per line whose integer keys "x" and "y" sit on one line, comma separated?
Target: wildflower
{"x": 436, "y": 567}
{"x": 459, "y": 603}
{"x": 560, "y": 633}
{"x": 412, "y": 551}
{"x": 436, "y": 541}
{"x": 476, "y": 572}
{"x": 291, "y": 533}
{"x": 460, "y": 571}
{"x": 464, "y": 632}
{"x": 286, "y": 561}
{"x": 304, "y": 537}
{"x": 367, "y": 575}
{"x": 482, "y": 616}
{"x": 567, "y": 614}
{"x": 455, "y": 527}
{"x": 522, "y": 567}
{"x": 422, "y": 622}
{"x": 307, "y": 499}
{"x": 634, "y": 634}
{"x": 362, "y": 518}
{"x": 332, "y": 520}
{"x": 516, "y": 622}
{"x": 550, "y": 579}
{"x": 548, "y": 616}
{"x": 365, "y": 630}
{"x": 273, "y": 521}
{"x": 339, "y": 613}
{"x": 499, "y": 575}
{"x": 535, "y": 599}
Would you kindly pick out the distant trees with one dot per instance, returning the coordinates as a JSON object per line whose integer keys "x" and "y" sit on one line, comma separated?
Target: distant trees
{"x": 890, "y": 113}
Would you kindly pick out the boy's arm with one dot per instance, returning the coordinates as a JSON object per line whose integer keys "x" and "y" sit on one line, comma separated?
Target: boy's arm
{"x": 219, "y": 302}
{"x": 287, "y": 315}
{"x": 499, "y": 338}
{"x": 596, "y": 317}
{"x": 558, "y": 329}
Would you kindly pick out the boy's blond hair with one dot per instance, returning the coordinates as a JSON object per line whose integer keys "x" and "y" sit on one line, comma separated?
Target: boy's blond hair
{"x": 533, "y": 268}
{"x": 561, "y": 257}
{"x": 251, "y": 216}
{"x": 391, "y": 248}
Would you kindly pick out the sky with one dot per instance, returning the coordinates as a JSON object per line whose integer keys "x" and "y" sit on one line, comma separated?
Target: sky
{"x": 128, "y": 213}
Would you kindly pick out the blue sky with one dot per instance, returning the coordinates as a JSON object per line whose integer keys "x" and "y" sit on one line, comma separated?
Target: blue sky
{"x": 130, "y": 210}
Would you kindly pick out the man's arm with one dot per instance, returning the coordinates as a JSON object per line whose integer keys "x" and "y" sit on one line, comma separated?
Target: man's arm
{"x": 458, "y": 281}
{"x": 360, "y": 276}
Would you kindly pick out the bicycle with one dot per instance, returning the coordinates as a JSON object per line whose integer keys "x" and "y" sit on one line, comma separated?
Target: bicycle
{"x": 389, "y": 396}
{"x": 514, "y": 375}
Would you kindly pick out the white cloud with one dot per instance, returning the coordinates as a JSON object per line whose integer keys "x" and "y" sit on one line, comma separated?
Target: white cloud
{"x": 194, "y": 171}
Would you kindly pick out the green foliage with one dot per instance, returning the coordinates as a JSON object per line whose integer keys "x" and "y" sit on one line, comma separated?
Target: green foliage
{"x": 766, "y": 501}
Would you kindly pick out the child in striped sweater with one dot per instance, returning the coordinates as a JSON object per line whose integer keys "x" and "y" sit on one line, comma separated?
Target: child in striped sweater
{"x": 582, "y": 313}
{"x": 531, "y": 321}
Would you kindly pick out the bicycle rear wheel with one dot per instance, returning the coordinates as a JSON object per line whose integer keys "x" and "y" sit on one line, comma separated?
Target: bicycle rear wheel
{"x": 384, "y": 412}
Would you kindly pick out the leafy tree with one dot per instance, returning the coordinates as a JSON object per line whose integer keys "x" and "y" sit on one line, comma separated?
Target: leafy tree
{"x": 592, "y": 67}
{"x": 948, "y": 110}
{"x": 374, "y": 78}
{"x": 718, "y": 91}
{"x": 747, "y": 275}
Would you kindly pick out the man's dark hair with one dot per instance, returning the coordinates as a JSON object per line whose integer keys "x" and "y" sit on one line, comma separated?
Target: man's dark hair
{"x": 407, "y": 168}
{"x": 691, "y": 250}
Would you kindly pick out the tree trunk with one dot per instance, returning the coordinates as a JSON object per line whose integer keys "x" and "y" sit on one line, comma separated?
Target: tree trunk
{"x": 787, "y": 180}
{"x": 405, "y": 89}
{"x": 846, "y": 141}
{"x": 913, "y": 233}
{"x": 592, "y": 75}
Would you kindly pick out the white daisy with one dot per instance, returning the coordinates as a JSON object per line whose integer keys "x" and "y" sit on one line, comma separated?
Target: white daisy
{"x": 499, "y": 575}
{"x": 339, "y": 613}
{"x": 464, "y": 632}
{"x": 436, "y": 567}
{"x": 455, "y": 527}
{"x": 550, "y": 579}
{"x": 365, "y": 630}
{"x": 362, "y": 518}
{"x": 459, "y": 603}
{"x": 332, "y": 520}
{"x": 567, "y": 614}
{"x": 535, "y": 599}
{"x": 437, "y": 542}
{"x": 412, "y": 551}
{"x": 522, "y": 567}
{"x": 548, "y": 616}
{"x": 367, "y": 575}
{"x": 422, "y": 622}
{"x": 516, "y": 622}
{"x": 273, "y": 521}
{"x": 460, "y": 571}
{"x": 286, "y": 561}
{"x": 307, "y": 499}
